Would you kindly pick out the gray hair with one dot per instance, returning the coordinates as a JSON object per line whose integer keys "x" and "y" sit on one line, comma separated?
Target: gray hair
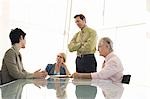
{"x": 108, "y": 41}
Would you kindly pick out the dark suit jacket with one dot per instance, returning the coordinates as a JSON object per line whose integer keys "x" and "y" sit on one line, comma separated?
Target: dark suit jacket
{"x": 12, "y": 67}
{"x": 51, "y": 67}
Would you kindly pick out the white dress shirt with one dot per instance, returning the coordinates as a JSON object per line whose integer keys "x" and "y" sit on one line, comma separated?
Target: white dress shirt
{"x": 112, "y": 70}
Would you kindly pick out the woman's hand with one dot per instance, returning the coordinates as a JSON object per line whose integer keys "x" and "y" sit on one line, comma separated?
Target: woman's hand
{"x": 64, "y": 65}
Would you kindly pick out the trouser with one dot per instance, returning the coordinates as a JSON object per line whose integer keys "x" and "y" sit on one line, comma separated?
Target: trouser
{"x": 86, "y": 63}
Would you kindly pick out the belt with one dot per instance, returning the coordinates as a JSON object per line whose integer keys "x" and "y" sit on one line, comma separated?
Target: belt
{"x": 84, "y": 55}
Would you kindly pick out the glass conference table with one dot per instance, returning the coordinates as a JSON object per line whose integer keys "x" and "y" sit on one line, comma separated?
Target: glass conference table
{"x": 69, "y": 88}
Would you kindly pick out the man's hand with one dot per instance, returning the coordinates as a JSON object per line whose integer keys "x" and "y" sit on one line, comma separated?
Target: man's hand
{"x": 82, "y": 75}
{"x": 75, "y": 75}
{"x": 40, "y": 74}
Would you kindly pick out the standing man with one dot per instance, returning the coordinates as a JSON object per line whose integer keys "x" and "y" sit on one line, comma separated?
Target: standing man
{"x": 84, "y": 42}
{"x": 12, "y": 66}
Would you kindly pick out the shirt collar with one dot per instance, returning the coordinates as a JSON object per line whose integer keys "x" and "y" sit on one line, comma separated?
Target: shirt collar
{"x": 84, "y": 29}
{"x": 16, "y": 48}
{"x": 108, "y": 56}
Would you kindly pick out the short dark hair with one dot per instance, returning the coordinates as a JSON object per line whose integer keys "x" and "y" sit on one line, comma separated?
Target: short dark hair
{"x": 15, "y": 35}
{"x": 81, "y": 16}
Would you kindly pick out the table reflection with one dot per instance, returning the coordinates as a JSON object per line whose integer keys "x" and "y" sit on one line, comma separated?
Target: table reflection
{"x": 58, "y": 84}
{"x": 111, "y": 90}
{"x": 14, "y": 89}
{"x": 85, "y": 91}
{"x": 57, "y": 88}
{"x": 85, "y": 88}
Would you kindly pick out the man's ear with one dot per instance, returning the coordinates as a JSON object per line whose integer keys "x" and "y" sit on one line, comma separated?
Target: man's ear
{"x": 84, "y": 20}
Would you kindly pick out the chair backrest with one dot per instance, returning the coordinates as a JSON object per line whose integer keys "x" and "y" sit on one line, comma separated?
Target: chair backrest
{"x": 126, "y": 79}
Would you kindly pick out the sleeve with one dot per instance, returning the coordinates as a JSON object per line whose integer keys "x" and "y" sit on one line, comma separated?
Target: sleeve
{"x": 49, "y": 69}
{"x": 110, "y": 69}
{"x": 66, "y": 70}
{"x": 73, "y": 45}
{"x": 13, "y": 68}
{"x": 62, "y": 71}
{"x": 90, "y": 43}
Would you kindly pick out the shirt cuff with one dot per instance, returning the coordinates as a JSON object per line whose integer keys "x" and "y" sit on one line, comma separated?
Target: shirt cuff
{"x": 94, "y": 75}
{"x": 30, "y": 75}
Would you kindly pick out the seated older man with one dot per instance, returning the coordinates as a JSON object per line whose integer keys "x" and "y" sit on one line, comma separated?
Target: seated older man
{"x": 112, "y": 68}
